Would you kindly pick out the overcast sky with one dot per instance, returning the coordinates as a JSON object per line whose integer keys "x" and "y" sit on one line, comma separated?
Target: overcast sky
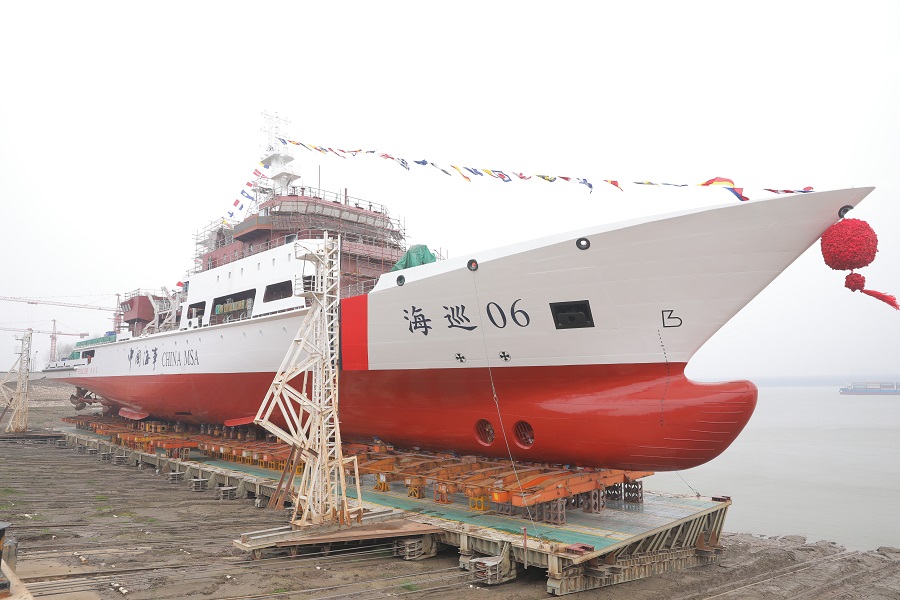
{"x": 125, "y": 128}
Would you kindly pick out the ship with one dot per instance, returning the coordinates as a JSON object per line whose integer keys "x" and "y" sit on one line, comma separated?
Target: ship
{"x": 869, "y": 388}
{"x": 570, "y": 349}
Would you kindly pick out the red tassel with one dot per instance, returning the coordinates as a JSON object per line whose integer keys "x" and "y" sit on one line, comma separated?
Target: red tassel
{"x": 886, "y": 298}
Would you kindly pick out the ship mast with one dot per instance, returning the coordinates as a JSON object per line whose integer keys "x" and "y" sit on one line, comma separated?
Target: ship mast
{"x": 275, "y": 160}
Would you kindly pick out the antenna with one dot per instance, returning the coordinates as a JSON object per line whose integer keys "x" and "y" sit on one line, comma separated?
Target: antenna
{"x": 273, "y": 125}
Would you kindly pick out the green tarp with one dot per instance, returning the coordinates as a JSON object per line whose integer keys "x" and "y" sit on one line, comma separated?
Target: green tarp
{"x": 418, "y": 254}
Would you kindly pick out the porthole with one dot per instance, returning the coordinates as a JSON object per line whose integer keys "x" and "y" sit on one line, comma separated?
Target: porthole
{"x": 583, "y": 243}
{"x": 524, "y": 434}
{"x": 401, "y": 279}
{"x": 472, "y": 265}
{"x": 484, "y": 432}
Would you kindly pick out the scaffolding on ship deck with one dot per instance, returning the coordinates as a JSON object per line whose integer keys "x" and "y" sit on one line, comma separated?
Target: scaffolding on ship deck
{"x": 372, "y": 240}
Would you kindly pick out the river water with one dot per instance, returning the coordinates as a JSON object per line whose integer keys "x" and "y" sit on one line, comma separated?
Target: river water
{"x": 810, "y": 462}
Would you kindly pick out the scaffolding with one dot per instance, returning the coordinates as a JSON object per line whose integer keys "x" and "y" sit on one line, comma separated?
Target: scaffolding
{"x": 309, "y": 412}
{"x": 18, "y": 400}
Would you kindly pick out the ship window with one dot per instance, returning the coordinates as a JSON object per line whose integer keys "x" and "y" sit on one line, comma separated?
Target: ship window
{"x": 278, "y": 291}
{"x": 232, "y": 307}
{"x": 572, "y": 315}
{"x": 196, "y": 310}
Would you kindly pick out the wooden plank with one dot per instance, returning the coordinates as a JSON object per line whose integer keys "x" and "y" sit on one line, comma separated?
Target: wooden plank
{"x": 384, "y": 529}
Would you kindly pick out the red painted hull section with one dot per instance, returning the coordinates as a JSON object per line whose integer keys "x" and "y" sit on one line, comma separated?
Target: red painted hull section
{"x": 638, "y": 416}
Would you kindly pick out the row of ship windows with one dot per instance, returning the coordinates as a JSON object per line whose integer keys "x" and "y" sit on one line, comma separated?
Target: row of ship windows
{"x": 242, "y": 302}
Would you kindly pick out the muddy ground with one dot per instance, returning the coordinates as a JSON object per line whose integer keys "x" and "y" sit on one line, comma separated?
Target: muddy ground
{"x": 88, "y": 529}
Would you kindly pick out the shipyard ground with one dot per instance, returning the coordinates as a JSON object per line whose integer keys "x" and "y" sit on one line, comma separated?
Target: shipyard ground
{"x": 83, "y": 525}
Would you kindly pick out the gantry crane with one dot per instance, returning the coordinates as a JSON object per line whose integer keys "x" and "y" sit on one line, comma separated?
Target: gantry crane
{"x": 117, "y": 317}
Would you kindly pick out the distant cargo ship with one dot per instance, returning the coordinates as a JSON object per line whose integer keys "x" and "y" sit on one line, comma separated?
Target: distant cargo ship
{"x": 872, "y": 388}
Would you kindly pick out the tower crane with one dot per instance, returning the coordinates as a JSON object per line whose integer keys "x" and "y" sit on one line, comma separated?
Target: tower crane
{"x": 117, "y": 317}
{"x": 52, "y": 333}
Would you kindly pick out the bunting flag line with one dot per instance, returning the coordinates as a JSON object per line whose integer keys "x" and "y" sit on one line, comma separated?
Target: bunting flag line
{"x": 237, "y": 206}
{"x": 739, "y": 192}
{"x": 498, "y": 175}
{"x": 719, "y": 181}
{"x": 440, "y": 169}
{"x": 464, "y": 172}
{"x": 805, "y": 190}
{"x": 461, "y": 173}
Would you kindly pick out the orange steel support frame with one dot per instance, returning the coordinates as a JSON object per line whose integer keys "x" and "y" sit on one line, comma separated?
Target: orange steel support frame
{"x": 498, "y": 480}
{"x": 483, "y": 481}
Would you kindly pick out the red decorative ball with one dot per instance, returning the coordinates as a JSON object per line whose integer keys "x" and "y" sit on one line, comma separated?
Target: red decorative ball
{"x": 849, "y": 244}
{"x": 855, "y": 282}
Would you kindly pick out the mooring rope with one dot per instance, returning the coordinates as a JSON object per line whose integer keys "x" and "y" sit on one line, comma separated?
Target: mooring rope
{"x": 499, "y": 415}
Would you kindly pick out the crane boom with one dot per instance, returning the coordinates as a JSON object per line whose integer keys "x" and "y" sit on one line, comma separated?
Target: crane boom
{"x": 42, "y": 331}
{"x": 56, "y": 303}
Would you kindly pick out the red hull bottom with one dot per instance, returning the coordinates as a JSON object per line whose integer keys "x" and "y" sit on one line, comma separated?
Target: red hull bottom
{"x": 638, "y": 416}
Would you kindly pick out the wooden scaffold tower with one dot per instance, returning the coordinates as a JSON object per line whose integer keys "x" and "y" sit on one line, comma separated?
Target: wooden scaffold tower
{"x": 309, "y": 411}
{"x": 17, "y": 399}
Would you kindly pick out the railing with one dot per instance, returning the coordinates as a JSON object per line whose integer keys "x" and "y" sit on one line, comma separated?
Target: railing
{"x": 281, "y": 241}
